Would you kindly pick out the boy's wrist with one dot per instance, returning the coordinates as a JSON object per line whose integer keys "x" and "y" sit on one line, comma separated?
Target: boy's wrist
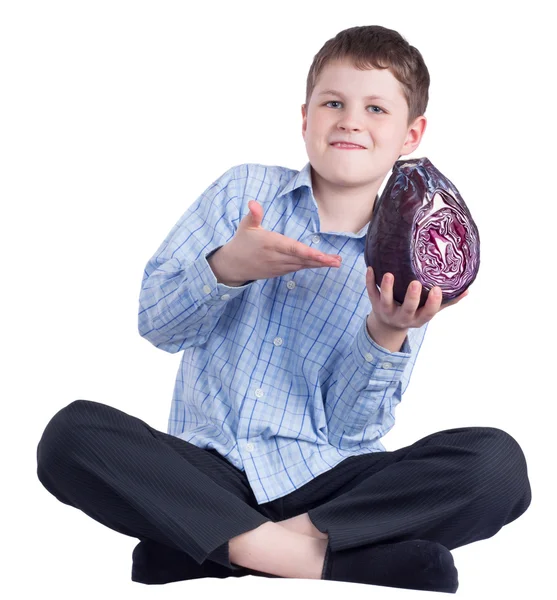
{"x": 219, "y": 263}
{"x": 387, "y": 337}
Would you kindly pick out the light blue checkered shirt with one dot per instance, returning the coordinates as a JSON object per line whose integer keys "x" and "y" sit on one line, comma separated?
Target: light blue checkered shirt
{"x": 280, "y": 375}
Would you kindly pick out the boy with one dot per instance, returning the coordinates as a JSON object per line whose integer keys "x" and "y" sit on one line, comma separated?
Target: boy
{"x": 293, "y": 364}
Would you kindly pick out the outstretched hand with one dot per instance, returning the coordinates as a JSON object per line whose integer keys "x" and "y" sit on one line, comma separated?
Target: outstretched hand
{"x": 403, "y": 316}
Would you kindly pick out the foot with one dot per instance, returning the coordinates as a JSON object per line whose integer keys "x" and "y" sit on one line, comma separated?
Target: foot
{"x": 412, "y": 564}
{"x": 154, "y": 563}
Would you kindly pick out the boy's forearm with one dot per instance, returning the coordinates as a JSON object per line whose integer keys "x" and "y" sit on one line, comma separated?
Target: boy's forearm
{"x": 386, "y": 337}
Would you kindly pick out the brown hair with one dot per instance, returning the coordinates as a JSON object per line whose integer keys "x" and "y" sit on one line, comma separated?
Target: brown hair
{"x": 375, "y": 46}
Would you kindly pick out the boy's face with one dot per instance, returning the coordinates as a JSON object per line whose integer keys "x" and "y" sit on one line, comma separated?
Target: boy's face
{"x": 378, "y": 124}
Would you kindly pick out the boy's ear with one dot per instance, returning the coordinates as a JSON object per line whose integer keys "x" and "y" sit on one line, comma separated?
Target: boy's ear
{"x": 304, "y": 120}
{"x": 414, "y": 135}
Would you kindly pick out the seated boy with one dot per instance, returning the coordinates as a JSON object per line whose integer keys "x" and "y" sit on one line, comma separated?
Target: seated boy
{"x": 293, "y": 364}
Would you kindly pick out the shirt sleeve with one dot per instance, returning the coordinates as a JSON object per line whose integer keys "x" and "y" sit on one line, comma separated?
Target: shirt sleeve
{"x": 371, "y": 380}
{"x": 180, "y": 300}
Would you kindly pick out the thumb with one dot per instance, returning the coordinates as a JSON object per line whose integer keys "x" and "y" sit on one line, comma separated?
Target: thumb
{"x": 255, "y": 215}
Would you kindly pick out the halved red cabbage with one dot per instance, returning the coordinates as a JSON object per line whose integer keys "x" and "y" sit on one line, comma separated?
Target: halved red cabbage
{"x": 421, "y": 229}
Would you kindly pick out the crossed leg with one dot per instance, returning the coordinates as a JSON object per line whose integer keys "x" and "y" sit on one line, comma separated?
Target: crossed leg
{"x": 302, "y": 524}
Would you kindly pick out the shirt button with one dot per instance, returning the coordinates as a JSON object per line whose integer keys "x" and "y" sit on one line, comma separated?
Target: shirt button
{"x": 250, "y": 447}
{"x": 387, "y": 365}
{"x": 225, "y": 297}
{"x": 207, "y": 289}
{"x": 368, "y": 357}
{"x": 291, "y": 285}
{"x": 277, "y": 341}
{"x": 315, "y": 239}
{"x": 259, "y": 393}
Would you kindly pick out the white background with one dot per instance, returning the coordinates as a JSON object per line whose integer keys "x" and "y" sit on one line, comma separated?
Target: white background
{"x": 115, "y": 116}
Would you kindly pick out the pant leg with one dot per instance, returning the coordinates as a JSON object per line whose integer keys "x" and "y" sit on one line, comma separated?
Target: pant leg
{"x": 132, "y": 478}
{"x": 455, "y": 487}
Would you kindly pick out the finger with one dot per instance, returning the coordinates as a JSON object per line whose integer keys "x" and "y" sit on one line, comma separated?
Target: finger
{"x": 321, "y": 258}
{"x": 311, "y": 257}
{"x": 455, "y": 300}
{"x": 411, "y": 299}
{"x": 326, "y": 260}
{"x": 432, "y": 304}
{"x": 371, "y": 285}
{"x": 387, "y": 284}
{"x": 430, "y": 308}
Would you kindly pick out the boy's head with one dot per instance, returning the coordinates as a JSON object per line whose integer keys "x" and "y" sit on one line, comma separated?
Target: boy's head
{"x": 373, "y": 46}
{"x": 356, "y": 63}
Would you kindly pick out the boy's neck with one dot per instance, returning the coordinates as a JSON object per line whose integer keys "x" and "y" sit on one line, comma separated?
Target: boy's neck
{"x": 344, "y": 209}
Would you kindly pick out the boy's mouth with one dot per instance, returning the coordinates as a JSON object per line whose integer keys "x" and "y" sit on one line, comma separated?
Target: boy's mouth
{"x": 344, "y": 146}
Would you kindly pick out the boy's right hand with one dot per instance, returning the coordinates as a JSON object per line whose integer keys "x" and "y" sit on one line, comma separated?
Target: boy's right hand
{"x": 255, "y": 253}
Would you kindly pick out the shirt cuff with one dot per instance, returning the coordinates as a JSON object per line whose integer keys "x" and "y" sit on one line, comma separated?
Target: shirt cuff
{"x": 203, "y": 285}
{"x": 378, "y": 362}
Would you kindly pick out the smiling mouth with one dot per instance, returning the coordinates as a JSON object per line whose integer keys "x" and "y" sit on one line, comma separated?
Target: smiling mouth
{"x": 341, "y": 146}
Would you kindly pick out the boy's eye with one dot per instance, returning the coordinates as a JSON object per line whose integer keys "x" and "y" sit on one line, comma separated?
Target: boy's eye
{"x": 338, "y": 102}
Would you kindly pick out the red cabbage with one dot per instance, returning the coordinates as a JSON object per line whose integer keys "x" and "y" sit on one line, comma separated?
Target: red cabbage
{"x": 421, "y": 229}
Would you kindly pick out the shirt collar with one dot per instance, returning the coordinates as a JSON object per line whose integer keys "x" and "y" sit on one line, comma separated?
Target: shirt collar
{"x": 302, "y": 178}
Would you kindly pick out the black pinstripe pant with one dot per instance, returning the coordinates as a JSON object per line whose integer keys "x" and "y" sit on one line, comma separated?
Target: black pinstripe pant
{"x": 453, "y": 487}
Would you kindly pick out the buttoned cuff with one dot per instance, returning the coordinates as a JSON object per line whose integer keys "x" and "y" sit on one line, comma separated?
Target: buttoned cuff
{"x": 378, "y": 362}
{"x": 203, "y": 285}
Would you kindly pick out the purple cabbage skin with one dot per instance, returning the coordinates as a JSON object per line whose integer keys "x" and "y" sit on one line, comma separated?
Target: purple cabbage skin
{"x": 421, "y": 229}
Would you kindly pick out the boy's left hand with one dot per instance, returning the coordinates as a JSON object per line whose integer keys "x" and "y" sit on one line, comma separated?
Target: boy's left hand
{"x": 403, "y": 316}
